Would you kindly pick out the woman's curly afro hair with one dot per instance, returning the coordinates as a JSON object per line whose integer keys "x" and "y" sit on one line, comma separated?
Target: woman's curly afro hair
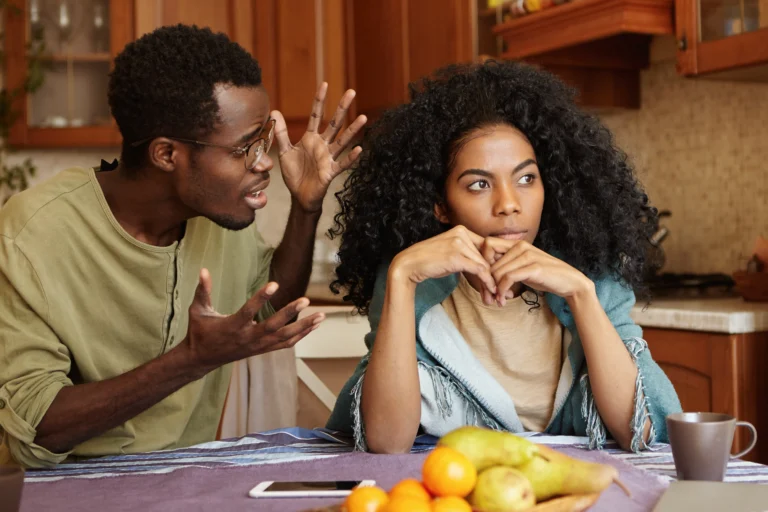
{"x": 596, "y": 216}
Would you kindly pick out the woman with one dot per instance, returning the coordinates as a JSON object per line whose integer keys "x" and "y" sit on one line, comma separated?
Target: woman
{"x": 494, "y": 234}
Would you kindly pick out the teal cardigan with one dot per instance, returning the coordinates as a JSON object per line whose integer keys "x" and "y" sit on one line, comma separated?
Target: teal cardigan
{"x": 457, "y": 390}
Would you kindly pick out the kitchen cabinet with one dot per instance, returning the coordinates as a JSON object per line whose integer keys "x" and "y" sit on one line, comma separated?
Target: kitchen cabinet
{"x": 298, "y": 44}
{"x": 395, "y": 42}
{"x": 723, "y": 38}
{"x": 597, "y": 46}
{"x": 81, "y": 37}
{"x": 718, "y": 372}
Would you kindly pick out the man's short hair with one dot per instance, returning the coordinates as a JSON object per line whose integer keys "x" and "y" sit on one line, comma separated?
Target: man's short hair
{"x": 163, "y": 83}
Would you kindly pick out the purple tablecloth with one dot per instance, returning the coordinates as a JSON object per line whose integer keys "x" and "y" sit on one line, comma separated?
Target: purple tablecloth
{"x": 217, "y": 476}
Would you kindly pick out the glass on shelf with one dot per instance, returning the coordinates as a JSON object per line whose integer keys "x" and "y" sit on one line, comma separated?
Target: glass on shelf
{"x": 725, "y": 18}
{"x": 77, "y": 41}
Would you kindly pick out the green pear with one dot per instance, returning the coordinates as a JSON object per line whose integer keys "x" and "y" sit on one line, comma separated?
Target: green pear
{"x": 502, "y": 489}
{"x": 486, "y": 447}
{"x": 556, "y": 474}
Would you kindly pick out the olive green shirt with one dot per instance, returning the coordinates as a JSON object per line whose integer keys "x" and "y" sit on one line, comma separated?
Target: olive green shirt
{"x": 83, "y": 301}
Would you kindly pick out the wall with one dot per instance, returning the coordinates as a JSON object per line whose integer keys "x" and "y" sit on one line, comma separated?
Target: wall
{"x": 701, "y": 150}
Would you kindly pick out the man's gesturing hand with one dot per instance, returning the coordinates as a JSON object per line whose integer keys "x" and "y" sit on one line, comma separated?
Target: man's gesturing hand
{"x": 215, "y": 339}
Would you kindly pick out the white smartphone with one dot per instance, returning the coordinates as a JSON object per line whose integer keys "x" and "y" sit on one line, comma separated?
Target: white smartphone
{"x": 309, "y": 489}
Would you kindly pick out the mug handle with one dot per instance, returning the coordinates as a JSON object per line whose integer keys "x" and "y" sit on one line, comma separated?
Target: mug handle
{"x": 751, "y": 443}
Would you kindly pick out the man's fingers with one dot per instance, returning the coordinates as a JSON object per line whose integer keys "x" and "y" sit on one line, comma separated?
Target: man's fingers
{"x": 202, "y": 298}
{"x": 295, "y": 339}
{"x": 285, "y": 315}
{"x": 317, "y": 108}
{"x": 288, "y": 331}
{"x": 350, "y": 133}
{"x": 349, "y": 159}
{"x": 338, "y": 117}
{"x": 255, "y": 303}
{"x": 281, "y": 132}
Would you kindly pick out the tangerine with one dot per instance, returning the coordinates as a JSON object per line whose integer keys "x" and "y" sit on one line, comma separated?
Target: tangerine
{"x": 406, "y": 504}
{"x": 451, "y": 504}
{"x": 410, "y": 487}
{"x": 448, "y": 472}
{"x": 365, "y": 499}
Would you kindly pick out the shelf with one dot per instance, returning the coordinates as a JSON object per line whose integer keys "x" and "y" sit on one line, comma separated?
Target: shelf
{"x": 78, "y": 57}
{"x": 584, "y": 21}
{"x": 491, "y": 11}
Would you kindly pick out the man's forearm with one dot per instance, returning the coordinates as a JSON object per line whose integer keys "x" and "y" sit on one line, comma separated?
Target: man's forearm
{"x": 292, "y": 261}
{"x": 81, "y": 412}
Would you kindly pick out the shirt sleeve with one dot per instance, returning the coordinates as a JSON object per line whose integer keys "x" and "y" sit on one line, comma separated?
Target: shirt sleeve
{"x": 34, "y": 364}
{"x": 261, "y": 264}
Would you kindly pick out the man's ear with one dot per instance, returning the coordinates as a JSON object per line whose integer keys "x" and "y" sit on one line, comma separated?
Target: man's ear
{"x": 163, "y": 153}
{"x": 441, "y": 213}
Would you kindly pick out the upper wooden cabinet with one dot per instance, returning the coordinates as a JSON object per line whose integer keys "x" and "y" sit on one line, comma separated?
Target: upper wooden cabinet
{"x": 395, "y": 42}
{"x": 724, "y": 38}
{"x": 82, "y": 38}
{"x": 597, "y": 46}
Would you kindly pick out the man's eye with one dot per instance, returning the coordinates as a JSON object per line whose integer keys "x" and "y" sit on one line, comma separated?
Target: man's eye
{"x": 527, "y": 179}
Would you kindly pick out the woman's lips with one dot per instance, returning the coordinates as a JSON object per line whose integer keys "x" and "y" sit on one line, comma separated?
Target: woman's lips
{"x": 511, "y": 235}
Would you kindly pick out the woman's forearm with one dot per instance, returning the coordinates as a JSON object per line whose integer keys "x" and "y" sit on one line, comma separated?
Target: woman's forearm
{"x": 612, "y": 373}
{"x": 391, "y": 398}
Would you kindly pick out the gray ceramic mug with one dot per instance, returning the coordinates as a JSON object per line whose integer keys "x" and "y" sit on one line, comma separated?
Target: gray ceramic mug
{"x": 11, "y": 483}
{"x": 701, "y": 443}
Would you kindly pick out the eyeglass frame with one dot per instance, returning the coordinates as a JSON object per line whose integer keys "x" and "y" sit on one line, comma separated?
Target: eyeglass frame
{"x": 266, "y": 144}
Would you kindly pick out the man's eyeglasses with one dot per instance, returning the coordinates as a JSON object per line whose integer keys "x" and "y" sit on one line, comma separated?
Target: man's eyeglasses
{"x": 252, "y": 154}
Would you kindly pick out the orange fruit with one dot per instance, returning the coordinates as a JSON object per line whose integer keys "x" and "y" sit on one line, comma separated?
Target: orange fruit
{"x": 406, "y": 504}
{"x": 447, "y": 472}
{"x": 451, "y": 504}
{"x": 410, "y": 487}
{"x": 365, "y": 499}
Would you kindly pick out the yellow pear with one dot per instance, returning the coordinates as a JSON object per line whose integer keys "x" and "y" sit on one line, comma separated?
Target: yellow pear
{"x": 486, "y": 447}
{"x": 555, "y": 474}
{"x": 502, "y": 489}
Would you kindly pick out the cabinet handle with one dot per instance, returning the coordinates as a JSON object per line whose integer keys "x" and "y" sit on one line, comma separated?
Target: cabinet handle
{"x": 682, "y": 43}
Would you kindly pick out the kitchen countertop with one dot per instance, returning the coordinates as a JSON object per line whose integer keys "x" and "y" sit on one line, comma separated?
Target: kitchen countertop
{"x": 730, "y": 315}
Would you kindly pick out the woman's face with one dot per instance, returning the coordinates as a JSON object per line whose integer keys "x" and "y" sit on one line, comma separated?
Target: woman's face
{"x": 494, "y": 187}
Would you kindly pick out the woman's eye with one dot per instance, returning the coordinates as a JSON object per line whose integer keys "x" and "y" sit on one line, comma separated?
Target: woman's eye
{"x": 527, "y": 179}
{"x": 479, "y": 185}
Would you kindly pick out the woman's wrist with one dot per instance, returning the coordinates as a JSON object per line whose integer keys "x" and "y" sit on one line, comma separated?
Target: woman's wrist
{"x": 399, "y": 276}
{"x": 582, "y": 293}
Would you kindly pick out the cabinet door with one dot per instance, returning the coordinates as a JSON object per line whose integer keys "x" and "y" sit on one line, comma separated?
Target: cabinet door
{"x": 81, "y": 38}
{"x": 399, "y": 41}
{"x": 725, "y": 36}
{"x": 718, "y": 373}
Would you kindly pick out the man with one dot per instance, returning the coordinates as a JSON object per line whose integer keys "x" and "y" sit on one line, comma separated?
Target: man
{"x": 125, "y": 292}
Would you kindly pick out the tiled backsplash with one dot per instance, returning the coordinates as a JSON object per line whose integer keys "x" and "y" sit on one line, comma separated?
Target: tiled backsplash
{"x": 700, "y": 147}
{"x": 701, "y": 150}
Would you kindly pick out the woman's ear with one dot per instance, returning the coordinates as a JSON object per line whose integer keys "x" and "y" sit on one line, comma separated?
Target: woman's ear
{"x": 441, "y": 214}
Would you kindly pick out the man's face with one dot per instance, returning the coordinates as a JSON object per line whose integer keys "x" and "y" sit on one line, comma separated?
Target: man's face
{"x": 213, "y": 181}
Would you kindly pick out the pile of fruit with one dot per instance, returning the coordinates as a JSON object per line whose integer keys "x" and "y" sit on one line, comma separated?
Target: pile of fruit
{"x": 482, "y": 470}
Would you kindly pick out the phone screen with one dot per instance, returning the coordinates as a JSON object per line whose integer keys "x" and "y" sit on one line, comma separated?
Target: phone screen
{"x": 331, "y": 485}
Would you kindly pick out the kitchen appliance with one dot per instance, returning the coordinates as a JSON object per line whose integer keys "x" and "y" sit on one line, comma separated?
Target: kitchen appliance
{"x": 690, "y": 285}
